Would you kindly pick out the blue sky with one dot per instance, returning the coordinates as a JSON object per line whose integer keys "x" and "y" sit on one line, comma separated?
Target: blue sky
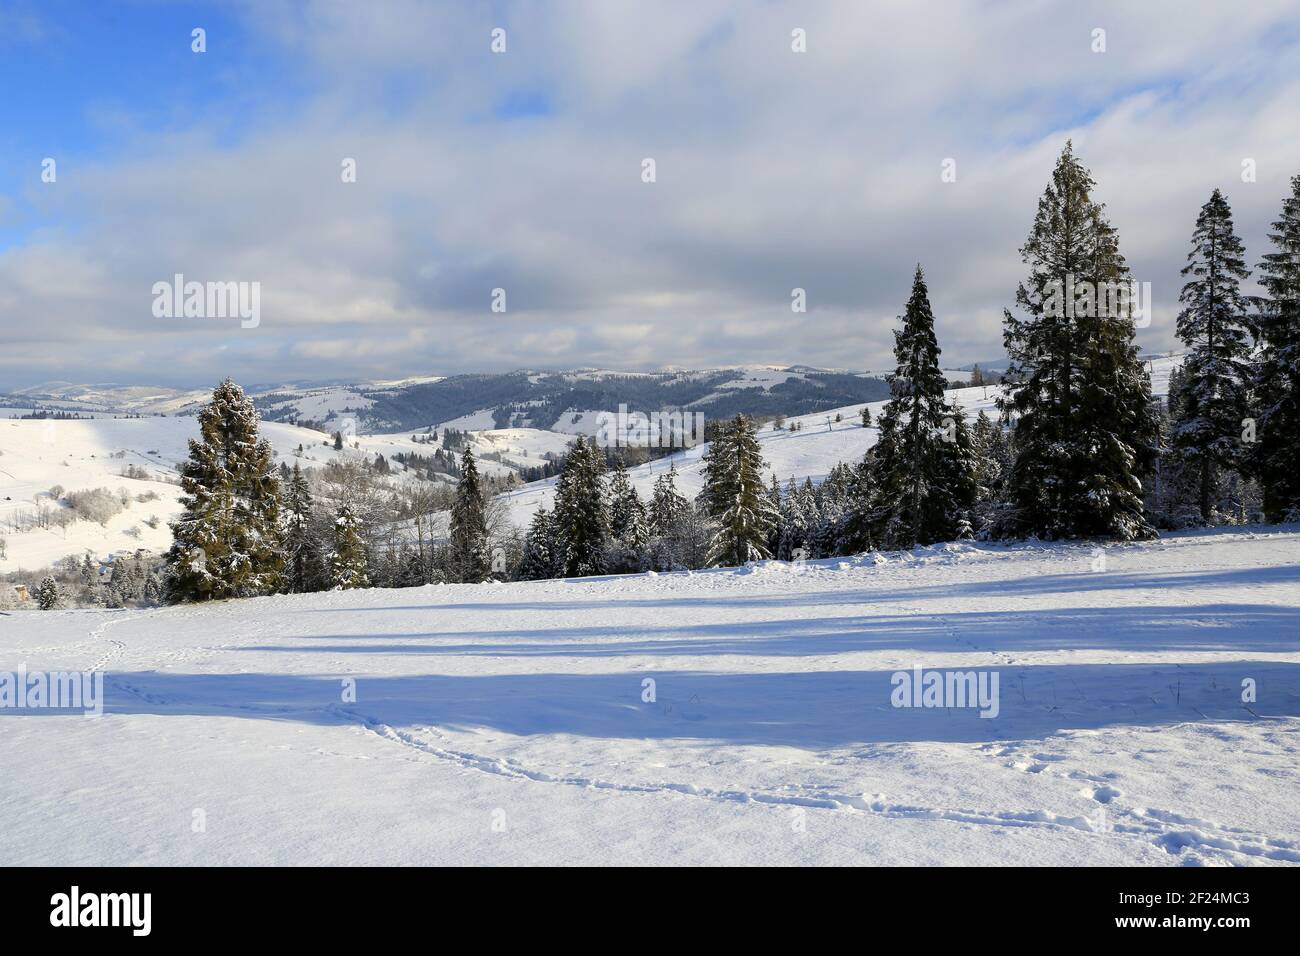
{"x": 84, "y": 79}
{"x": 522, "y": 170}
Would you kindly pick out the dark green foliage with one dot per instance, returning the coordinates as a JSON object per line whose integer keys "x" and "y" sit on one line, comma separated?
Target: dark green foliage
{"x": 1212, "y": 390}
{"x": 734, "y": 495}
{"x": 1085, "y": 425}
{"x": 924, "y": 474}
{"x": 227, "y": 541}
{"x": 468, "y": 558}
{"x": 581, "y": 511}
{"x": 1275, "y": 457}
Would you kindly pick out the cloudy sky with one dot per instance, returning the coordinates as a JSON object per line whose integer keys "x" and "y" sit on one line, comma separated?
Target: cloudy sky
{"x": 522, "y": 170}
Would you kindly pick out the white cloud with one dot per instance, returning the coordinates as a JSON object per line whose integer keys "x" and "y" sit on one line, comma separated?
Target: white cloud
{"x": 775, "y": 170}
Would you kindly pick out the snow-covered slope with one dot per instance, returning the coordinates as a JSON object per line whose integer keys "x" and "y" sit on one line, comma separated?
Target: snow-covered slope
{"x": 819, "y": 444}
{"x": 84, "y": 454}
{"x": 516, "y": 723}
{"x": 79, "y": 455}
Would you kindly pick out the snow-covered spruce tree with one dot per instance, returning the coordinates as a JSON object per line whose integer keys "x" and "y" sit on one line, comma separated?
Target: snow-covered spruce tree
{"x": 227, "y": 541}
{"x": 348, "y": 561}
{"x": 834, "y": 508}
{"x": 993, "y": 454}
{"x": 962, "y": 467}
{"x": 539, "y": 548}
{"x": 855, "y": 535}
{"x": 667, "y": 505}
{"x": 925, "y": 470}
{"x": 1213, "y": 396}
{"x": 671, "y": 517}
{"x": 776, "y": 532}
{"x": 470, "y": 562}
{"x": 1275, "y": 457}
{"x": 796, "y": 518}
{"x": 1172, "y": 494}
{"x": 629, "y": 531}
{"x": 581, "y": 512}
{"x": 1085, "y": 425}
{"x": 734, "y": 495}
{"x": 47, "y": 594}
{"x": 301, "y": 556}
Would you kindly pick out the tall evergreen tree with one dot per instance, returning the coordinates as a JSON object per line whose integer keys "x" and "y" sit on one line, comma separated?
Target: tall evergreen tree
{"x": 1275, "y": 458}
{"x": 227, "y": 541}
{"x": 627, "y": 514}
{"x": 348, "y": 562}
{"x": 925, "y": 481}
{"x": 734, "y": 495}
{"x": 672, "y": 522}
{"x": 1085, "y": 425}
{"x": 1214, "y": 326}
{"x": 300, "y": 546}
{"x": 539, "y": 548}
{"x": 628, "y": 524}
{"x": 581, "y": 511}
{"x": 468, "y": 557}
{"x": 667, "y": 505}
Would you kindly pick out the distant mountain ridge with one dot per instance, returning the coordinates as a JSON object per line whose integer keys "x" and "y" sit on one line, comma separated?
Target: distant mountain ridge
{"x": 522, "y": 398}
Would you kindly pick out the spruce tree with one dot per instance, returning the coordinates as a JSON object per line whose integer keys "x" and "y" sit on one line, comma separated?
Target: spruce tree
{"x": 1173, "y": 494}
{"x": 671, "y": 519}
{"x": 777, "y": 531}
{"x": 628, "y": 525}
{"x": 734, "y": 495}
{"x": 1275, "y": 458}
{"x": 627, "y": 515}
{"x": 795, "y": 522}
{"x": 300, "y": 547}
{"x": 227, "y": 541}
{"x": 47, "y": 594}
{"x": 348, "y": 562}
{"x": 667, "y": 505}
{"x": 993, "y": 454}
{"x": 1213, "y": 392}
{"x": 856, "y": 535}
{"x": 961, "y": 466}
{"x": 468, "y": 556}
{"x": 924, "y": 481}
{"x": 1085, "y": 425}
{"x": 539, "y": 548}
{"x": 581, "y": 511}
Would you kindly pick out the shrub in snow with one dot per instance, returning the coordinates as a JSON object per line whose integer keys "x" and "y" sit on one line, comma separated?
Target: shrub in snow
{"x": 47, "y": 595}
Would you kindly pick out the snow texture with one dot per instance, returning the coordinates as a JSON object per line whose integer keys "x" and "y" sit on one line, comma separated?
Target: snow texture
{"x": 514, "y": 723}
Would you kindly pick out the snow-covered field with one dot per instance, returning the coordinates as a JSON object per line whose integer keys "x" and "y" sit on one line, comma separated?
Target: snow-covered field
{"x": 512, "y": 723}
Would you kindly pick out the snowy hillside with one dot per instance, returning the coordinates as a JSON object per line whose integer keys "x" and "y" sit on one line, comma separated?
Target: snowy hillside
{"x": 812, "y": 451}
{"x": 732, "y": 716}
{"x": 80, "y": 455}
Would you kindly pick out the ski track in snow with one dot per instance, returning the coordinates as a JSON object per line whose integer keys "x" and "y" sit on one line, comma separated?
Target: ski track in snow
{"x": 1172, "y": 832}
